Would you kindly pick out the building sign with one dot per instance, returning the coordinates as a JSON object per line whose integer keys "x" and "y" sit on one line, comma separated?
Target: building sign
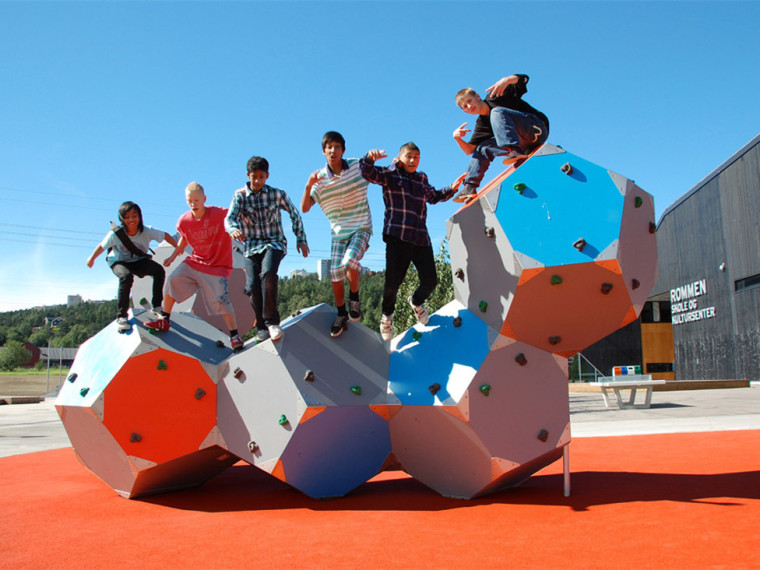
{"x": 684, "y": 303}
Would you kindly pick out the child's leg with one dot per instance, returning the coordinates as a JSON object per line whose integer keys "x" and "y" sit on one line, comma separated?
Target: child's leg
{"x": 124, "y": 272}
{"x": 253, "y": 287}
{"x": 398, "y": 256}
{"x": 516, "y": 129}
{"x": 424, "y": 262}
{"x": 338, "y": 273}
{"x": 358, "y": 244}
{"x": 270, "y": 264}
{"x": 148, "y": 267}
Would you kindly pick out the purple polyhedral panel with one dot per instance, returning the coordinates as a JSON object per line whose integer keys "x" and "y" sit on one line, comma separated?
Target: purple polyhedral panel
{"x": 359, "y": 443}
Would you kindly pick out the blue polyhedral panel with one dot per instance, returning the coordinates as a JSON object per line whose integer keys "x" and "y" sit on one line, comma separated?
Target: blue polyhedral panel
{"x": 443, "y": 354}
{"x": 97, "y": 362}
{"x": 556, "y": 209}
{"x": 359, "y": 443}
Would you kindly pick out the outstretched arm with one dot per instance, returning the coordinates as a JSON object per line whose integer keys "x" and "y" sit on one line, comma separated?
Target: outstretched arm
{"x": 459, "y": 134}
{"x": 180, "y": 248}
{"x": 91, "y": 260}
{"x": 306, "y": 200}
{"x": 498, "y": 88}
{"x": 368, "y": 169}
{"x": 170, "y": 240}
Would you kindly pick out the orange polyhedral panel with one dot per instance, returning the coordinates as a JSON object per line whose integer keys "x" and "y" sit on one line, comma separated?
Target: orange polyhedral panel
{"x": 574, "y": 311}
{"x": 160, "y": 406}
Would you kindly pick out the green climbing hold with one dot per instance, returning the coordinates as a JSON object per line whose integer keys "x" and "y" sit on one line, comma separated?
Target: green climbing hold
{"x": 416, "y": 335}
{"x": 357, "y": 390}
{"x": 556, "y": 280}
{"x": 486, "y": 389}
{"x": 83, "y": 392}
{"x": 483, "y": 306}
{"x": 520, "y": 187}
{"x": 283, "y": 420}
{"x": 638, "y": 202}
{"x": 162, "y": 365}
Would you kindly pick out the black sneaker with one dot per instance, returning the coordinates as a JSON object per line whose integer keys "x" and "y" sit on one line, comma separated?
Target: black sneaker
{"x": 339, "y": 325}
{"x": 354, "y": 311}
{"x": 467, "y": 193}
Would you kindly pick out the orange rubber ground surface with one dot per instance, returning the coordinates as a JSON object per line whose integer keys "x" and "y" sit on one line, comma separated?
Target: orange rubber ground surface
{"x": 657, "y": 501}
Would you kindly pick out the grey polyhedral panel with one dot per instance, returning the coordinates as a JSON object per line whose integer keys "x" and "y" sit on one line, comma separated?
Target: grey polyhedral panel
{"x": 273, "y": 391}
{"x": 484, "y": 269}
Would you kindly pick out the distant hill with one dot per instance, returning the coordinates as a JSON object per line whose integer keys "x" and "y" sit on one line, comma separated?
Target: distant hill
{"x": 64, "y": 326}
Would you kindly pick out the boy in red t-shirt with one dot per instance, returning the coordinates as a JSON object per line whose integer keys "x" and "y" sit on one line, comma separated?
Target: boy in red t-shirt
{"x": 208, "y": 267}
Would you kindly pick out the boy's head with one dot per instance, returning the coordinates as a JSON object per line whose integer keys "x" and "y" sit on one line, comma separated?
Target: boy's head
{"x": 196, "y": 199}
{"x": 333, "y": 147}
{"x": 409, "y": 157}
{"x": 333, "y": 137}
{"x": 470, "y": 102}
{"x": 258, "y": 172}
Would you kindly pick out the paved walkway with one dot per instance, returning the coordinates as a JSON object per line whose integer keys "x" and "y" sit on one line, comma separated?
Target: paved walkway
{"x": 25, "y": 428}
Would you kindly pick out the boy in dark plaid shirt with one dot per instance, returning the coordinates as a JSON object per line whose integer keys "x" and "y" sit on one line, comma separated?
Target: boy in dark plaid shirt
{"x": 406, "y": 193}
{"x": 254, "y": 218}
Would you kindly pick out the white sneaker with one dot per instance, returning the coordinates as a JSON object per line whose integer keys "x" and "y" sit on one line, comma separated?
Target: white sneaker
{"x": 386, "y": 327}
{"x": 261, "y": 335}
{"x": 419, "y": 311}
{"x": 275, "y": 332}
{"x": 122, "y": 324}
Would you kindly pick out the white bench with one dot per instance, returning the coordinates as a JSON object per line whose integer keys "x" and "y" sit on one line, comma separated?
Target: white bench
{"x": 632, "y": 382}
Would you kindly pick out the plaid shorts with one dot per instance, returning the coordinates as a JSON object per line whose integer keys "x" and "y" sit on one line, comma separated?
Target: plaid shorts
{"x": 347, "y": 253}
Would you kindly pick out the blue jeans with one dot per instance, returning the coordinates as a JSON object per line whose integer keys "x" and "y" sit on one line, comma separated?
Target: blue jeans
{"x": 512, "y": 130}
{"x": 261, "y": 285}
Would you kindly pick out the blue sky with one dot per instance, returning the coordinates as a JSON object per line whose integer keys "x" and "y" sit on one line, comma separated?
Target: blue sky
{"x": 106, "y": 102}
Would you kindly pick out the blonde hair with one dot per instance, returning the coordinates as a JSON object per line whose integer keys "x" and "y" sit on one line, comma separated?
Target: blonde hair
{"x": 194, "y": 187}
{"x": 467, "y": 91}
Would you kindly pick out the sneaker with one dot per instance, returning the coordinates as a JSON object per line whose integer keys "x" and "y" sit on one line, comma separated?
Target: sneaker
{"x": 339, "y": 325}
{"x": 161, "y": 324}
{"x": 122, "y": 324}
{"x": 513, "y": 155}
{"x": 236, "y": 343}
{"x": 275, "y": 332}
{"x": 419, "y": 311}
{"x": 386, "y": 327}
{"x": 467, "y": 193}
{"x": 354, "y": 312}
{"x": 261, "y": 335}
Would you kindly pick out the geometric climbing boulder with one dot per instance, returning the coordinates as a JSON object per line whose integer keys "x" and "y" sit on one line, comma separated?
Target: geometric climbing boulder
{"x": 553, "y": 256}
{"x": 558, "y": 252}
{"x": 140, "y": 409}
{"x": 303, "y": 408}
{"x": 485, "y": 417}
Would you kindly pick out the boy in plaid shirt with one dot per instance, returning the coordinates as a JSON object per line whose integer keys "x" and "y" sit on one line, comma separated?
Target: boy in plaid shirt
{"x": 406, "y": 192}
{"x": 254, "y": 218}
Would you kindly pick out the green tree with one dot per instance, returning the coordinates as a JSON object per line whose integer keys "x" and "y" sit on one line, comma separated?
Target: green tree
{"x": 13, "y": 355}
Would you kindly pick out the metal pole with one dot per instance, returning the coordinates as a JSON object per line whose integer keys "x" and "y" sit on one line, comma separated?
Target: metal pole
{"x": 566, "y": 468}
{"x": 47, "y": 391}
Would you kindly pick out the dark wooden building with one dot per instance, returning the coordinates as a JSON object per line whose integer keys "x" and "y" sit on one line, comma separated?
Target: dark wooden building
{"x": 702, "y": 321}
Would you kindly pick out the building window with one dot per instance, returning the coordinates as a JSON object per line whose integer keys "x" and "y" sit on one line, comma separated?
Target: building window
{"x": 747, "y": 283}
{"x": 654, "y": 367}
{"x": 656, "y": 312}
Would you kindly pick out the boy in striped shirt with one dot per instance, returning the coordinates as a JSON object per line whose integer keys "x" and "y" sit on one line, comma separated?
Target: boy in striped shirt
{"x": 341, "y": 192}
